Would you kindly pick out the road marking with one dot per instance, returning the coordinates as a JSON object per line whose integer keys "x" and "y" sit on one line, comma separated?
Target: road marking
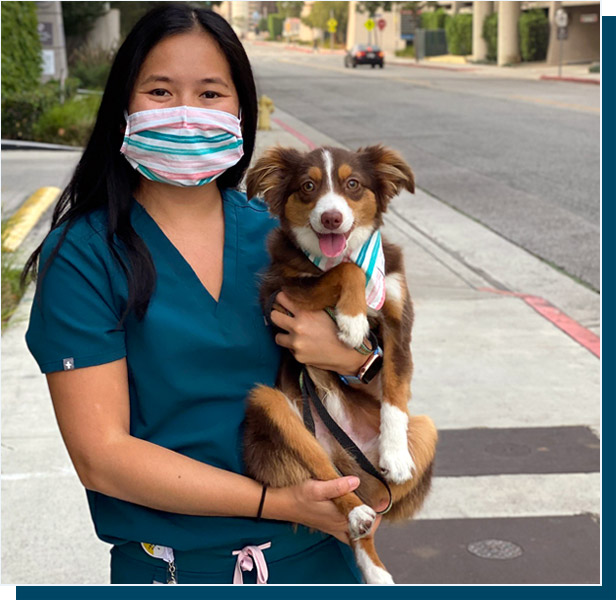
{"x": 573, "y": 329}
{"x": 59, "y": 472}
{"x": 27, "y": 216}
{"x": 556, "y": 103}
{"x": 297, "y": 134}
{"x": 502, "y": 496}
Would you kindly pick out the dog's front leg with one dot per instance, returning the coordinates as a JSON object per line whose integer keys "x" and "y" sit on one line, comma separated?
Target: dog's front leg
{"x": 395, "y": 459}
{"x": 342, "y": 287}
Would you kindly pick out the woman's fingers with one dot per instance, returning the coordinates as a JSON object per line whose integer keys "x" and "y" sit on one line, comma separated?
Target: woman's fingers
{"x": 281, "y": 320}
{"x": 326, "y": 490}
{"x": 287, "y": 303}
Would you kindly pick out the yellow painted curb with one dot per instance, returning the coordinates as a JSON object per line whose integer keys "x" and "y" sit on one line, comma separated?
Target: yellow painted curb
{"x": 21, "y": 223}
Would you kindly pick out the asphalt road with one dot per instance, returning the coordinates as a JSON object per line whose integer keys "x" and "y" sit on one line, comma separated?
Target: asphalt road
{"x": 520, "y": 156}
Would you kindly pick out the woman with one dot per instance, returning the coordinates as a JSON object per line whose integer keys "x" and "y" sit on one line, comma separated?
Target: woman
{"x": 147, "y": 325}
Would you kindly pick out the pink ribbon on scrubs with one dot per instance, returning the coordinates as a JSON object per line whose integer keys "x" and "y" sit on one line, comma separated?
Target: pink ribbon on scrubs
{"x": 249, "y": 557}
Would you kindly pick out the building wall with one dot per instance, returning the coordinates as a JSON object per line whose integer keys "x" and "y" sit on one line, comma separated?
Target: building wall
{"x": 584, "y": 41}
{"x": 388, "y": 39}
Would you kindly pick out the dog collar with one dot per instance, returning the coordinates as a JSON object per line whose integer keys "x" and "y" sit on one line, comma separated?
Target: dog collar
{"x": 370, "y": 258}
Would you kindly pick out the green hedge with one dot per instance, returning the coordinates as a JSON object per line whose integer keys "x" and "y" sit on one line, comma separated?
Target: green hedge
{"x": 490, "y": 35}
{"x": 274, "y": 25}
{"x": 459, "y": 32}
{"x": 434, "y": 19}
{"x": 69, "y": 123}
{"x": 91, "y": 65}
{"x": 21, "y": 48}
{"x": 21, "y": 111}
{"x": 534, "y": 29}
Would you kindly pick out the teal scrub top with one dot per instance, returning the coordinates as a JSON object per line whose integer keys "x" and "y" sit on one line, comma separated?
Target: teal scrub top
{"x": 191, "y": 363}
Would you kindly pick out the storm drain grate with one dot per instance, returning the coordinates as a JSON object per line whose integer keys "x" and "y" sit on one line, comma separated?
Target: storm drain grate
{"x": 496, "y": 549}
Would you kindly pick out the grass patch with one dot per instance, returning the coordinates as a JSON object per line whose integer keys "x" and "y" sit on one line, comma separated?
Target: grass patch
{"x": 408, "y": 52}
{"x": 11, "y": 290}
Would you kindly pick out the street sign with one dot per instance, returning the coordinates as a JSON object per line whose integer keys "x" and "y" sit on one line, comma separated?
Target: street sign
{"x": 589, "y": 18}
{"x": 45, "y": 31}
{"x": 561, "y": 18}
{"x": 381, "y": 23}
{"x": 332, "y": 24}
{"x": 562, "y": 33}
{"x": 369, "y": 24}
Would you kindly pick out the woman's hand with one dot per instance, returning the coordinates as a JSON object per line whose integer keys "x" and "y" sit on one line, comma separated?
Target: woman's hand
{"x": 313, "y": 340}
{"x": 310, "y": 504}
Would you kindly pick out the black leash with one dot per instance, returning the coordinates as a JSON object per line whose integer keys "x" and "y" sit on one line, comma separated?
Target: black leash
{"x": 309, "y": 393}
{"x": 350, "y": 447}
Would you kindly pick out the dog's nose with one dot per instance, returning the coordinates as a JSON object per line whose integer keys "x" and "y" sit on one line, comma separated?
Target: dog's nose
{"x": 331, "y": 219}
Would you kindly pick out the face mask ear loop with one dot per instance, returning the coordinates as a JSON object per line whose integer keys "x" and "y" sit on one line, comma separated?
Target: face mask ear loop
{"x": 127, "y": 129}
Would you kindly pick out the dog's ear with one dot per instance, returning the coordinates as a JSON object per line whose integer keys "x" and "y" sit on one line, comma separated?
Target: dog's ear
{"x": 390, "y": 171}
{"x": 270, "y": 176}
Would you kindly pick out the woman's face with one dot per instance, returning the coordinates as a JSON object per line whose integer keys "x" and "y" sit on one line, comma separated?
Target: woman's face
{"x": 187, "y": 69}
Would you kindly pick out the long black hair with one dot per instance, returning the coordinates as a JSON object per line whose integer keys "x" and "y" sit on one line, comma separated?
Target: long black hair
{"x": 104, "y": 178}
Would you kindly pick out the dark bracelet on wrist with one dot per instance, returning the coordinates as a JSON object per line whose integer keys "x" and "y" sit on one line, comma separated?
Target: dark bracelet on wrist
{"x": 260, "y": 511}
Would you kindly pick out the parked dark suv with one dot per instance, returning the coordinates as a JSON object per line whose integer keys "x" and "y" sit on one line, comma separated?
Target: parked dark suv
{"x": 363, "y": 54}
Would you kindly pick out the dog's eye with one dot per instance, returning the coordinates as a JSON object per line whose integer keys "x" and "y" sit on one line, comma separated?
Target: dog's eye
{"x": 308, "y": 186}
{"x": 353, "y": 184}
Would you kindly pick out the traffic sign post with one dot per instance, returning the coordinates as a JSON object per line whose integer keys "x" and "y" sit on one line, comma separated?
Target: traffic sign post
{"x": 332, "y": 25}
{"x": 369, "y": 25}
{"x": 561, "y": 18}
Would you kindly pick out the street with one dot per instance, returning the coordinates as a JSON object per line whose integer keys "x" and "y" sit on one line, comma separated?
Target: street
{"x": 521, "y": 157}
{"x": 508, "y": 177}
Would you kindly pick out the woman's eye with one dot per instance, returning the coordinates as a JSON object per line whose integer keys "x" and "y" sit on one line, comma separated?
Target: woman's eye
{"x": 159, "y": 92}
{"x": 211, "y": 95}
{"x": 308, "y": 186}
{"x": 353, "y": 184}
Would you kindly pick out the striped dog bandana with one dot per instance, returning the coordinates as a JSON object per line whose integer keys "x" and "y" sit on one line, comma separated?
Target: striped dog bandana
{"x": 182, "y": 145}
{"x": 370, "y": 258}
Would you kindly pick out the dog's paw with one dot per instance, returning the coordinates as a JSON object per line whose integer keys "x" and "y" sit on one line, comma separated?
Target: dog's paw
{"x": 361, "y": 519}
{"x": 352, "y": 330}
{"x": 378, "y": 576}
{"x": 397, "y": 466}
{"x": 372, "y": 573}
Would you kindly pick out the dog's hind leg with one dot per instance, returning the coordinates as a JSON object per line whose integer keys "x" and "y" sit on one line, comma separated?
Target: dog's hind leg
{"x": 270, "y": 410}
{"x": 369, "y": 563}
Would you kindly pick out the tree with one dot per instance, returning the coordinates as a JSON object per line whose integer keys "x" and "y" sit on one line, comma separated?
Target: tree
{"x": 322, "y": 11}
{"x": 290, "y": 9}
{"x": 372, "y": 7}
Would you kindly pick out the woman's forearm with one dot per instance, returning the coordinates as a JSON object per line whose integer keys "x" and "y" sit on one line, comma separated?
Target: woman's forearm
{"x": 138, "y": 471}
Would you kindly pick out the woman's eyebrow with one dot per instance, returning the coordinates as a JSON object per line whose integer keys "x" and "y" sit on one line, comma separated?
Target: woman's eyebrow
{"x": 165, "y": 79}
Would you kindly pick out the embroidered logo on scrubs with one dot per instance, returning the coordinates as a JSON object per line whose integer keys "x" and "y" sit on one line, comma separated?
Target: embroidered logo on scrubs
{"x": 68, "y": 363}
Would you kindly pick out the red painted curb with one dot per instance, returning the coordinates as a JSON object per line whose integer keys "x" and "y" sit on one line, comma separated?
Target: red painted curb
{"x": 570, "y": 79}
{"x": 297, "y": 134}
{"x": 572, "y": 328}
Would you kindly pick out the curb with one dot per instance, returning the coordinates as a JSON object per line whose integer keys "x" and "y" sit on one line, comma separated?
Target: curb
{"x": 27, "y": 216}
{"x": 423, "y": 66}
{"x": 29, "y": 145}
{"x": 570, "y": 79}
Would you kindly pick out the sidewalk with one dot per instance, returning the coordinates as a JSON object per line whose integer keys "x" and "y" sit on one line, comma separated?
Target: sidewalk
{"x": 515, "y": 397}
{"x": 533, "y": 70}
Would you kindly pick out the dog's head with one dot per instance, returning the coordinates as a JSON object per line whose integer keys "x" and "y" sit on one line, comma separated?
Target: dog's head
{"x": 330, "y": 199}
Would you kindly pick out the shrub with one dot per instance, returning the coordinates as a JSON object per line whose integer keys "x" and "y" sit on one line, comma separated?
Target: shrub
{"x": 459, "y": 31}
{"x": 69, "y": 123}
{"x": 262, "y": 26}
{"x": 274, "y": 25}
{"x": 434, "y": 19}
{"x": 490, "y": 35}
{"x": 21, "y": 110}
{"x": 21, "y": 48}
{"x": 91, "y": 66}
{"x": 534, "y": 30}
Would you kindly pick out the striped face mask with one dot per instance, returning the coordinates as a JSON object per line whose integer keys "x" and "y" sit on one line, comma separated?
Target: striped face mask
{"x": 182, "y": 145}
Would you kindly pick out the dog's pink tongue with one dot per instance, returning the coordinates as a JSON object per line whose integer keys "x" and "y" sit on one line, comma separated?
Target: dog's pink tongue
{"x": 332, "y": 244}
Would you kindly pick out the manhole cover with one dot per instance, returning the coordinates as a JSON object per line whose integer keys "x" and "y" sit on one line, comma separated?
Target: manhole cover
{"x": 507, "y": 449}
{"x": 497, "y": 549}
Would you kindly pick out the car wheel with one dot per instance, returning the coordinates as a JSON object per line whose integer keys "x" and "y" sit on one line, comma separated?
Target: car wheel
{"x": 373, "y": 65}
{"x": 381, "y": 65}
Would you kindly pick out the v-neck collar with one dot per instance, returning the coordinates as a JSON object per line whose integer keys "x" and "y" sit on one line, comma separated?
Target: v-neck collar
{"x": 181, "y": 266}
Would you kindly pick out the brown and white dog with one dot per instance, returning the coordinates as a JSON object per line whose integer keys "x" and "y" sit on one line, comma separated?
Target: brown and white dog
{"x": 330, "y": 201}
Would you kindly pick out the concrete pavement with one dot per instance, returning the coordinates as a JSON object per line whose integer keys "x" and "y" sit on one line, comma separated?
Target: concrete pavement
{"x": 515, "y": 397}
